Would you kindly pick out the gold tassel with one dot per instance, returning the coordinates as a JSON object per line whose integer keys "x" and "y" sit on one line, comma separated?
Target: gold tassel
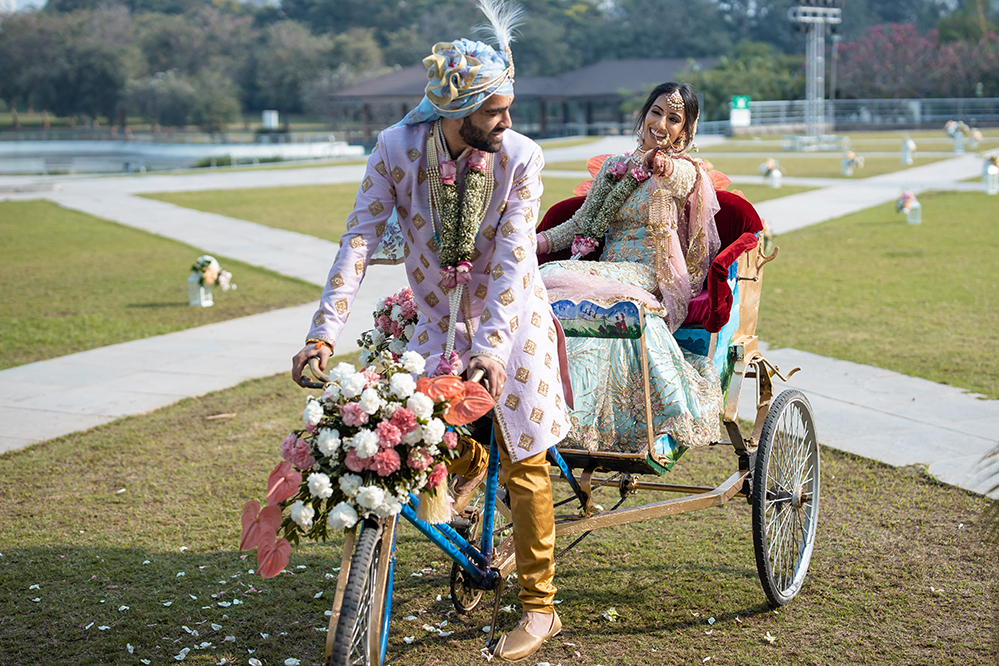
{"x": 434, "y": 506}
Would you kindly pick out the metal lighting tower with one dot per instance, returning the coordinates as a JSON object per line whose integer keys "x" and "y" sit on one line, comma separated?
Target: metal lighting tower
{"x": 812, "y": 16}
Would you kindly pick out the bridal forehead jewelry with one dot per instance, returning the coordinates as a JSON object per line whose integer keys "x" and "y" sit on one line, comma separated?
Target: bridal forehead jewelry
{"x": 675, "y": 100}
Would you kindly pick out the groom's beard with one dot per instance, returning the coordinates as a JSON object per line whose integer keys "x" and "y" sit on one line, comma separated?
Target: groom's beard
{"x": 475, "y": 137}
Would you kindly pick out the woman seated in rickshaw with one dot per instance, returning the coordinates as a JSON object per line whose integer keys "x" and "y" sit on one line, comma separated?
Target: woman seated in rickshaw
{"x": 653, "y": 210}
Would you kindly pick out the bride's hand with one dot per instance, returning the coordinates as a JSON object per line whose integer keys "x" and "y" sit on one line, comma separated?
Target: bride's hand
{"x": 658, "y": 164}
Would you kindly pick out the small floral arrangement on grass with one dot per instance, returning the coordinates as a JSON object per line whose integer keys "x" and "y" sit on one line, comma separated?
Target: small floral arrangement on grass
{"x": 768, "y": 167}
{"x": 852, "y": 160}
{"x": 606, "y": 197}
{"x": 955, "y": 127}
{"x": 371, "y": 439}
{"x": 905, "y": 202}
{"x": 395, "y": 325}
{"x": 210, "y": 272}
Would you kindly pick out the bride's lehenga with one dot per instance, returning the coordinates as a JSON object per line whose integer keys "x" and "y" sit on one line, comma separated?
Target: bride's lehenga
{"x": 657, "y": 251}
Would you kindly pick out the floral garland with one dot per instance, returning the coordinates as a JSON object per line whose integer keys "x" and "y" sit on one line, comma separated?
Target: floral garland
{"x": 374, "y": 438}
{"x": 611, "y": 192}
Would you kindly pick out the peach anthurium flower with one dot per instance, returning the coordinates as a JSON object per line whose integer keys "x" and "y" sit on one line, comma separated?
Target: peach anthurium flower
{"x": 443, "y": 387}
{"x": 719, "y": 180}
{"x": 259, "y": 525}
{"x": 473, "y": 402}
{"x": 272, "y": 557}
{"x": 283, "y": 483}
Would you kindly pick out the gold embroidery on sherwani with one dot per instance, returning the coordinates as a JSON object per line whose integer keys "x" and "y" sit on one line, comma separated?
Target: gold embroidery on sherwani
{"x": 523, "y": 374}
{"x": 536, "y": 319}
{"x": 537, "y": 415}
{"x": 379, "y": 228}
{"x": 403, "y": 213}
{"x": 336, "y": 281}
{"x": 357, "y": 241}
{"x": 367, "y": 184}
{"x": 514, "y": 324}
{"x": 413, "y": 154}
{"x": 530, "y": 347}
{"x": 529, "y": 215}
{"x": 495, "y": 339}
{"x": 481, "y": 292}
{"x": 409, "y": 234}
{"x": 432, "y": 245}
{"x": 519, "y": 253}
{"x": 392, "y": 191}
{"x": 421, "y": 176}
{"x": 524, "y": 193}
{"x": 359, "y": 266}
{"x": 398, "y": 174}
{"x": 418, "y": 221}
{"x": 380, "y": 168}
{"x": 352, "y": 222}
{"x": 504, "y": 158}
{"x": 423, "y": 337}
{"x": 442, "y": 325}
{"x": 423, "y": 260}
{"x": 526, "y": 442}
{"x": 548, "y": 360}
{"x": 543, "y": 388}
{"x": 507, "y": 229}
{"x": 512, "y": 401}
{"x": 319, "y": 319}
{"x": 556, "y": 428}
{"x": 506, "y": 297}
{"x": 418, "y": 276}
{"x": 502, "y": 208}
{"x": 341, "y": 306}
{"x": 527, "y": 281}
{"x": 432, "y": 299}
{"x": 489, "y": 232}
{"x": 486, "y": 316}
{"x": 376, "y": 207}
{"x": 476, "y": 255}
{"x": 405, "y": 250}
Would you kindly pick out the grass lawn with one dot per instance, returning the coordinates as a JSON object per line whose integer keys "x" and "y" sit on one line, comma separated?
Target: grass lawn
{"x": 126, "y": 535}
{"x": 74, "y": 282}
{"x": 868, "y": 288}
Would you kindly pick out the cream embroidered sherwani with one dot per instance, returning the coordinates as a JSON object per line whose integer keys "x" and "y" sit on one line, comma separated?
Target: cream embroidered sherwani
{"x": 505, "y": 314}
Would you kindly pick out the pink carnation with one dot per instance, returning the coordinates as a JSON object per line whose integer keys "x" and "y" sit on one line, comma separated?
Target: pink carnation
{"x": 287, "y": 444}
{"x": 450, "y": 439}
{"x": 301, "y": 455}
{"x": 419, "y": 459}
{"x": 311, "y": 428}
{"x": 617, "y": 170}
{"x": 396, "y": 330}
{"x": 386, "y": 462}
{"x": 353, "y": 415}
{"x": 437, "y": 476}
{"x": 383, "y": 323}
{"x": 371, "y": 376}
{"x": 355, "y": 464}
{"x": 388, "y": 435}
{"x": 404, "y": 420}
{"x": 409, "y": 309}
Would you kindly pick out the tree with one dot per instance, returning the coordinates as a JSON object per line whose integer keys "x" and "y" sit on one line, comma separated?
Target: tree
{"x": 288, "y": 56}
{"x": 888, "y": 61}
{"x": 166, "y": 98}
{"x": 88, "y": 79}
{"x": 667, "y": 29}
{"x": 216, "y": 102}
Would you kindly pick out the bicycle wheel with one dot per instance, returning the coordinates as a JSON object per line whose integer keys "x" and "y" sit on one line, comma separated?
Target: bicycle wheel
{"x": 359, "y": 635}
{"x": 785, "y": 497}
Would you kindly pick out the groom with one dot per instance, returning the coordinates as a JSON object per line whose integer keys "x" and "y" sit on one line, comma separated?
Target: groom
{"x": 465, "y": 191}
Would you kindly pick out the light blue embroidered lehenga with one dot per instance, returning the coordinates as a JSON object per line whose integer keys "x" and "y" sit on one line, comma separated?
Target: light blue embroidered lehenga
{"x": 660, "y": 263}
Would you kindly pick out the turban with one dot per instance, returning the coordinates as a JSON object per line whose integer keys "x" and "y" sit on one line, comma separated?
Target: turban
{"x": 461, "y": 75}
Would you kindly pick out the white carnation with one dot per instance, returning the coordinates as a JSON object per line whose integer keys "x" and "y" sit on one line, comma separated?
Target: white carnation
{"x": 319, "y": 485}
{"x": 412, "y": 361}
{"x": 415, "y": 436}
{"x": 403, "y": 385}
{"x": 352, "y": 386}
{"x": 342, "y": 371}
{"x": 421, "y": 406}
{"x": 364, "y": 357}
{"x": 409, "y": 331}
{"x": 342, "y": 517}
{"x": 398, "y": 346}
{"x": 349, "y": 483}
{"x": 313, "y": 413}
{"x": 388, "y": 409}
{"x": 370, "y": 400}
{"x": 377, "y": 337}
{"x": 365, "y": 442}
{"x": 301, "y": 514}
{"x": 390, "y": 506}
{"x": 370, "y": 496}
{"x": 332, "y": 392}
{"x": 328, "y": 441}
{"x": 433, "y": 432}
{"x": 396, "y": 312}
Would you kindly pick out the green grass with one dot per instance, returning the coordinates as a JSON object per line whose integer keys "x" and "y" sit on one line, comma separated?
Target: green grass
{"x": 104, "y": 521}
{"x": 316, "y": 210}
{"x": 759, "y": 193}
{"x": 869, "y": 288}
{"x": 568, "y": 142}
{"x": 72, "y": 282}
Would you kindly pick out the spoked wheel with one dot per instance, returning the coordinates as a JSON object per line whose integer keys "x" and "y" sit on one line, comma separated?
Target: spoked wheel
{"x": 785, "y": 496}
{"x": 464, "y": 596}
{"x": 359, "y": 631}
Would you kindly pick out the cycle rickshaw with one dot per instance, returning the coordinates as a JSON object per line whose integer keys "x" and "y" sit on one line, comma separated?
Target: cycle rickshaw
{"x": 777, "y": 464}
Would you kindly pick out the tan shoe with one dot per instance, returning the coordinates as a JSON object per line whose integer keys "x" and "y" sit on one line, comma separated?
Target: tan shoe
{"x": 521, "y": 643}
{"x": 462, "y": 489}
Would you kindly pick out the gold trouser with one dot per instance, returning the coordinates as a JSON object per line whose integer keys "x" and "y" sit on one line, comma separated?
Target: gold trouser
{"x": 530, "y": 489}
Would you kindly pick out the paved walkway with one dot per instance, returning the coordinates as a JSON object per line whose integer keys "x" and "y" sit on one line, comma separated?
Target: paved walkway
{"x": 871, "y": 412}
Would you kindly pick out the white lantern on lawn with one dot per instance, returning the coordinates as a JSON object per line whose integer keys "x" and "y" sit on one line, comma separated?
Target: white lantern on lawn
{"x": 914, "y": 213}
{"x": 774, "y": 179}
{"x": 959, "y": 142}
{"x": 990, "y": 178}
{"x": 908, "y": 150}
{"x": 198, "y": 295}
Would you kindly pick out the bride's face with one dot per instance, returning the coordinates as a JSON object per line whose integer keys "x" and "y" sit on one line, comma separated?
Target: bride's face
{"x": 662, "y": 122}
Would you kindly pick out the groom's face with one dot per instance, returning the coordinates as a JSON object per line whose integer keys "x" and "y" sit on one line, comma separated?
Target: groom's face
{"x": 483, "y": 130}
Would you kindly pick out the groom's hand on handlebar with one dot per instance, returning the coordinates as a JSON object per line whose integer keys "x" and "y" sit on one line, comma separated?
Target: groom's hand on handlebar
{"x": 495, "y": 374}
{"x": 311, "y": 350}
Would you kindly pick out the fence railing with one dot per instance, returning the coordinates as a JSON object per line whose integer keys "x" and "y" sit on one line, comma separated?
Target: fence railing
{"x": 881, "y": 112}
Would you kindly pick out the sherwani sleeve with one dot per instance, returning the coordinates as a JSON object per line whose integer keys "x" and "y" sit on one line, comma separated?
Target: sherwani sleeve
{"x": 514, "y": 266}
{"x": 372, "y": 208}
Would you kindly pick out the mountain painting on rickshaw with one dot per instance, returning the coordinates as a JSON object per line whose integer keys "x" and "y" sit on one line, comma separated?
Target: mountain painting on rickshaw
{"x": 589, "y": 320}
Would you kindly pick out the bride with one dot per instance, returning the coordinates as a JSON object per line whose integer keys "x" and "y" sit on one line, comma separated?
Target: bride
{"x": 653, "y": 210}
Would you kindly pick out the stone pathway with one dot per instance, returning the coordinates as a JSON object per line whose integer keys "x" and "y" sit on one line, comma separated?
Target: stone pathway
{"x": 874, "y": 413}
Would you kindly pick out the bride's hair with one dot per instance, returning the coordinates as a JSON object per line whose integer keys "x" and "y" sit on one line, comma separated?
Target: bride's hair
{"x": 691, "y": 107}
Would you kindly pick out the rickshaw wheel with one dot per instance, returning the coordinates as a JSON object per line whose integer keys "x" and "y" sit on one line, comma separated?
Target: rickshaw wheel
{"x": 359, "y": 631}
{"x": 785, "y": 496}
{"x": 464, "y": 597}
